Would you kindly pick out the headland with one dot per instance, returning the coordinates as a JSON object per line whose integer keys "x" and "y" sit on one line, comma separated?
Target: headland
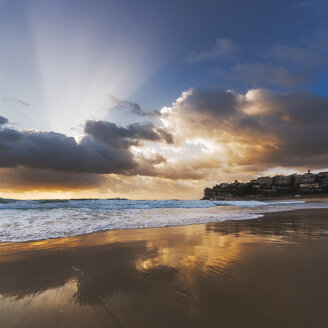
{"x": 306, "y": 185}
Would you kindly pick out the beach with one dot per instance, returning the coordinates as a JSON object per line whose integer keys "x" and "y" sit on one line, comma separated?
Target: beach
{"x": 265, "y": 272}
{"x": 163, "y": 164}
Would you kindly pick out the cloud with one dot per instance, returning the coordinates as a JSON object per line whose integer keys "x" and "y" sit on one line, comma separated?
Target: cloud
{"x": 218, "y": 135}
{"x": 207, "y": 102}
{"x": 257, "y": 73}
{"x": 133, "y": 107}
{"x": 50, "y": 150}
{"x": 3, "y": 120}
{"x": 22, "y": 179}
{"x": 124, "y": 137}
{"x": 257, "y": 130}
{"x": 105, "y": 148}
{"x": 224, "y": 49}
{"x": 34, "y": 160}
{"x": 282, "y": 65}
{"x": 154, "y": 187}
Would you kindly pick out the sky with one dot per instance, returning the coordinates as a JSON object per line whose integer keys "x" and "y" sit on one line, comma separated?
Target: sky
{"x": 159, "y": 99}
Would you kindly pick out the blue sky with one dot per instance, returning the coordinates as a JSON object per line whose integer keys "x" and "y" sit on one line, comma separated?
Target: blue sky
{"x": 64, "y": 62}
{"x": 44, "y": 42}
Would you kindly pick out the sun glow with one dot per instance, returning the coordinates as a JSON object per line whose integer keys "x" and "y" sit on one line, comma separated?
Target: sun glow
{"x": 74, "y": 70}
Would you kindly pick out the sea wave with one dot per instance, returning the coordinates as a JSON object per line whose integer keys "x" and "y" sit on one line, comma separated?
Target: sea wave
{"x": 33, "y": 220}
{"x": 123, "y": 204}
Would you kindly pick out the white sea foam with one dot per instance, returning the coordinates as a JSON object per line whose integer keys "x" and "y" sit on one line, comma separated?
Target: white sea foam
{"x": 33, "y": 220}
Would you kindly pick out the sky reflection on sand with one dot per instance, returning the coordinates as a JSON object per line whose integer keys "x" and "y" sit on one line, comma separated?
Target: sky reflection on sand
{"x": 245, "y": 273}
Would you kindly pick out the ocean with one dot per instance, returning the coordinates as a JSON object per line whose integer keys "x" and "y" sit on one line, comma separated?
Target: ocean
{"x": 24, "y": 220}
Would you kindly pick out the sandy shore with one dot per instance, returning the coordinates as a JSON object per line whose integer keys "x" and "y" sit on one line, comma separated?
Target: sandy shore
{"x": 267, "y": 272}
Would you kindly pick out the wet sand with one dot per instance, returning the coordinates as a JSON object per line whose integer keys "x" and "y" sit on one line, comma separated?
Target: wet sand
{"x": 267, "y": 272}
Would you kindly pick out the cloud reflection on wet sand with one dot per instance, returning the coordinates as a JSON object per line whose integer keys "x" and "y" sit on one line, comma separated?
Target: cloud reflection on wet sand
{"x": 257, "y": 273}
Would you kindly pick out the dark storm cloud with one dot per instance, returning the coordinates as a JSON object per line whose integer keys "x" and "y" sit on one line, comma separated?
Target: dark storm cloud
{"x": 124, "y": 137}
{"x": 104, "y": 148}
{"x": 50, "y": 150}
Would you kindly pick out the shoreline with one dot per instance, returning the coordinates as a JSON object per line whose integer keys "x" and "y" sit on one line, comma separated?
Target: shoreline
{"x": 260, "y": 216}
{"x": 256, "y": 215}
{"x": 264, "y": 272}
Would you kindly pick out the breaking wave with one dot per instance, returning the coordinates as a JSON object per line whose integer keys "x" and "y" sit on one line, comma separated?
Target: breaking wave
{"x": 43, "y": 219}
